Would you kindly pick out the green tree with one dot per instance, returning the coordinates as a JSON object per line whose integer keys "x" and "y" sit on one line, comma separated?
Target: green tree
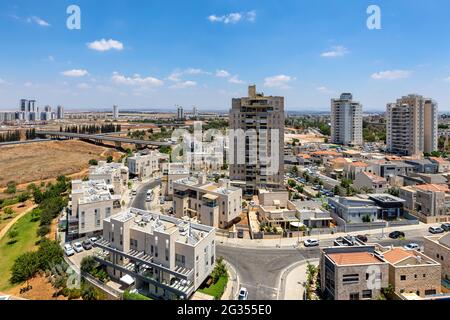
{"x": 93, "y": 162}
{"x": 11, "y": 187}
{"x": 110, "y": 159}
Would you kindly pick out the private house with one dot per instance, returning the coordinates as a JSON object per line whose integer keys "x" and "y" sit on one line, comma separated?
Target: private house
{"x": 369, "y": 181}
{"x": 114, "y": 174}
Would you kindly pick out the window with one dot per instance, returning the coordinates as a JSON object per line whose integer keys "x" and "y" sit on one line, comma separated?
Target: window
{"x": 402, "y": 278}
{"x": 350, "y": 278}
{"x": 97, "y": 217}
{"x": 430, "y": 292}
{"x": 367, "y": 294}
{"x": 108, "y": 212}
{"x": 354, "y": 296}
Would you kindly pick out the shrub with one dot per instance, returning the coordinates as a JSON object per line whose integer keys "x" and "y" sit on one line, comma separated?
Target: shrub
{"x": 13, "y": 233}
{"x": 24, "y": 267}
{"x": 88, "y": 264}
{"x": 11, "y": 187}
{"x": 8, "y": 211}
{"x": 24, "y": 196}
{"x": 109, "y": 159}
{"x": 43, "y": 231}
{"x": 74, "y": 294}
{"x": 93, "y": 162}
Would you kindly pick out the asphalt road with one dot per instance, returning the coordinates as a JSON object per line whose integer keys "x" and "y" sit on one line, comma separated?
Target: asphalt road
{"x": 260, "y": 270}
{"x": 139, "y": 200}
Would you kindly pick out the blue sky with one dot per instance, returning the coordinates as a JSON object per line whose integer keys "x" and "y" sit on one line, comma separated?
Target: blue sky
{"x": 156, "y": 54}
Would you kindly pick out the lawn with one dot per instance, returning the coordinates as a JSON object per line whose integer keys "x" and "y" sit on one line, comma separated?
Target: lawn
{"x": 216, "y": 290}
{"x": 26, "y": 241}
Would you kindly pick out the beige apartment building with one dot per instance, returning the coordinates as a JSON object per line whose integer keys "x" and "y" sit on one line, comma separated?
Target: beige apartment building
{"x": 413, "y": 272}
{"x": 173, "y": 172}
{"x": 145, "y": 166}
{"x": 257, "y": 141}
{"x": 369, "y": 181}
{"x": 215, "y": 205}
{"x": 90, "y": 202}
{"x": 438, "y": 247}
{"x": 429, "y": 202}
{"x": 353, "y": 273}
{"x": 346, "y": 121}
{"x": 114, "y": 174}
{"x": 412, "y": 126}
{"x": 164, "y": 257}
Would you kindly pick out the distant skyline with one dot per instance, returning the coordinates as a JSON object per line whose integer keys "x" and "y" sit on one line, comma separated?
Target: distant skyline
{"x": 147, "y": 54}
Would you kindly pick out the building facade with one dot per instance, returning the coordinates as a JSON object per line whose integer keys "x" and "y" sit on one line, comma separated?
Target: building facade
{"x": 215, "y": 205}
{"x": 412, "y": 126}
{"x": 257, "y": 141}
{"x": 167, "y": 258}
{"x": 346, "y": 121}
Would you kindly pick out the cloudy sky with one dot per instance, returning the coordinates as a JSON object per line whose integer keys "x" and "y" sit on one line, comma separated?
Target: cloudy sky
{"x": 158, "y": 54}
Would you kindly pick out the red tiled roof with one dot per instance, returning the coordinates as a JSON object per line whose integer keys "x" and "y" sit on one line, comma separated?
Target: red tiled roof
{"x": 353, "y": 258}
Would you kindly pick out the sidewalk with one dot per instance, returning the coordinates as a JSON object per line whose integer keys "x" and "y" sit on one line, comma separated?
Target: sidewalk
{"x": 293, "y": 280}
{"x": 232, "y": 289}
{"x": 377, "y": 234}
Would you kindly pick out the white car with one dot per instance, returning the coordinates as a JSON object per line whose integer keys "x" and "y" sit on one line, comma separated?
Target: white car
{"x": 436, "y": 230}
{"x": 78, "y": 247}
{"x": 412, "y": 246}
{"x": 93, "y": 240}
{"x": 311, "y": 243}
{"x": 69, "y": 250}
{"x": 243, "y": 294}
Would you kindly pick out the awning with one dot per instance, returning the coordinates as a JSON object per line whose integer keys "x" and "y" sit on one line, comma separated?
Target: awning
{"x": 127, "y": 279}
{"x": 296, "y": 224}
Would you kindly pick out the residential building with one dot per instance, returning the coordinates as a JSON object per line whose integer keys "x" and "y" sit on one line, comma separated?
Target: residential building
{"x": 413, "y": 272}
{"x": 146, "y": 165}
{"x": 90, "y": 203}
{"x": 443, "y": 165}
{"x": 346, "y": 121}
{"x": 116, "y": 112}
{"x": 424, "y": 166}
{"x": 173, "y": 172}
{"x": 438, "y": 248}
{"x": 257, "y": 141}
{"x": 115, "y": 174}
{"x": 60, "y": 112}
{"x": 412, "y": 126}
{"x": 367, "y": 208}
{"x": 429, "y": 202}
{"x": 213, "y": 204}
{"x": 275, "y": 209}
{"x": 164, "y": 257}
{"x": 180, "y": 113}
{"x": 367, "y": 181}
{"x": 352, "y": 169}
{"x": 353, "y": 273}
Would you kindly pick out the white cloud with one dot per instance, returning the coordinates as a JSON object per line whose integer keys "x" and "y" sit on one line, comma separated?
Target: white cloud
{"x": 235, "y": 79}
{"x": 392, "y": 75}
{"x": 184, "y": 85}
{"x": 279, "y": 81}
{"x": 177, "y": 74}
{"x": 234, "y": 17}
{"x": 222, "y": 74}
{"x": 136, "y": 80}
{"x": 337, "y": 51}
{"x": 75, "y": 73}
{"x": 39, "y": 21}
{"x": 105, "y": 45}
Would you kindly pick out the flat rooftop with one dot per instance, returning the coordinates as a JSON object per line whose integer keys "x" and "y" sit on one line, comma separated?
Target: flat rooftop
{"x": 148, "y": 222}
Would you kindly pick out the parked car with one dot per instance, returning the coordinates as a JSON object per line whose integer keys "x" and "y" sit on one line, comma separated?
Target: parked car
{"x": 69, "y": 250}
{"x": 436, "y": 230}
{"x": 362, "y": 238}
{"x": 311, "y": 243}
{"x": 412, "y": 246}
{"x": 241, "y": 234}
{"x": 446, "y": 226}
{"x": 243, "y": 294}
{"x": 77, "y": 247}
{"x": 87, "y": 244}
{"x": 93, "y": 240}
{"x": 396, "y": 235}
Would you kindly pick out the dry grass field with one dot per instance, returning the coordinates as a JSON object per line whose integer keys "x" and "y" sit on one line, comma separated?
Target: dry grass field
{"x": 47, "y": 160}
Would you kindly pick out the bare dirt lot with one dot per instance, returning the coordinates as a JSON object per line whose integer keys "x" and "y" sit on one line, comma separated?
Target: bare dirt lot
{"x": 47, "y": 160}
